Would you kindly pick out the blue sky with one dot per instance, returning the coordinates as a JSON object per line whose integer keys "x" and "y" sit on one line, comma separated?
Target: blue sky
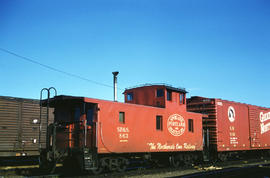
{"x": 212, "y": 48}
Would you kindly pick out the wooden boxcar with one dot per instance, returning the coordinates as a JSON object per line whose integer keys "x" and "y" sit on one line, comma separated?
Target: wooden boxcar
{"x": 19, "y": 127}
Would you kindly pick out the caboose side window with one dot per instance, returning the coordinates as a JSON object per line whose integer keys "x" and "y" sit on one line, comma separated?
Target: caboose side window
{"x": 190, "y": 125}
{"x": 160, "y": 92}
{"x": 182, "y": 99}
{"x": 122, "y": 117}
{"x": 169, "y": 95}
{"x": 130, "y": 96}
{"x": 159, "y": 122}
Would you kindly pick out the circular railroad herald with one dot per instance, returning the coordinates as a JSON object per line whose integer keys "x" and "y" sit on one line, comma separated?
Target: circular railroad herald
{"x": 176, "y": 125}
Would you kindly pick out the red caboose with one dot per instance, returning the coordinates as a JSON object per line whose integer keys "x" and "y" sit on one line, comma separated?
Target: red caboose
{"x": 232, "y": 127}
{"x": 153, "y": 122}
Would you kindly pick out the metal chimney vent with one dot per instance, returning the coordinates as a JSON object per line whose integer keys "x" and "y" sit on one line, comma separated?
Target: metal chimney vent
{"x": 115, "y": 85}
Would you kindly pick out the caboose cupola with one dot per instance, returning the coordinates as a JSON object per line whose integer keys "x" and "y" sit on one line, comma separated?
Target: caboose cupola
{"x": 159, "y": 95}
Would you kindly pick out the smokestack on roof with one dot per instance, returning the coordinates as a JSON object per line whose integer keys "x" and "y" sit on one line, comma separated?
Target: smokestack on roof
{"x": 115, "y": 85}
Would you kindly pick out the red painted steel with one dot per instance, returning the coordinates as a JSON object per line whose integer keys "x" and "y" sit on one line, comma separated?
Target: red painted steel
{"x": 139, "y": 133}
{"x": 233, "y": 126}
{"x": 259, "y": 119}
{"x": 206, "y": 106}
{"x": 147, "y": 95}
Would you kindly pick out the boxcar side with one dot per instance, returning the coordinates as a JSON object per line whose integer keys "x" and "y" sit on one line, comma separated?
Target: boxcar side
{"x": 259, "y": 121}
{"x": 19, "y": 126}
{"x": 233, "y": 126}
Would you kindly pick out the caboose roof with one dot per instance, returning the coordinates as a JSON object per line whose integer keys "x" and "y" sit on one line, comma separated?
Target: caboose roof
{"x": 169, "y": 87}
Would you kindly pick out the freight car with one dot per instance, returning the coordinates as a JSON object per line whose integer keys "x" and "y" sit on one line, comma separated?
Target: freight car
{"x": 156, "y": 122}
{"x": 95, "y": 134}
{"x": 19, "y": 127}
{"x": 233, "y": 129}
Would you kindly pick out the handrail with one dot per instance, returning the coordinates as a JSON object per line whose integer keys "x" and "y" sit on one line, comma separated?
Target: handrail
{"x": 40, "y": 116}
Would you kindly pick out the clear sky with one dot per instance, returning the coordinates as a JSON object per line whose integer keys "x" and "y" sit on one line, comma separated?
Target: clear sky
{"x": 212, "y": 48}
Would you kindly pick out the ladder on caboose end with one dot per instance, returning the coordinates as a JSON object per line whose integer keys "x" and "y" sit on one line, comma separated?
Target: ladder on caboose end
{"x": 47, "y": 114}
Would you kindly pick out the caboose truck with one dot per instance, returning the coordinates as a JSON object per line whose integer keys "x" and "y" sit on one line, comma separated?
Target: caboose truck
{"x": 153, "y": 124}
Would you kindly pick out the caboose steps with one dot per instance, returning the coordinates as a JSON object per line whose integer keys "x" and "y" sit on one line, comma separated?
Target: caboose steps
{"x": 89, "y": 162}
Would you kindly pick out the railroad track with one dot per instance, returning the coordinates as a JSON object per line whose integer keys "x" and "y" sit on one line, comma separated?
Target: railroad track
{"x": 241, "y": 170}
{"x": 229, "y": 169}
{"x": 25, "y": 170}
{"x": 23, "y": 167}
{"x": 233, "y": 168}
